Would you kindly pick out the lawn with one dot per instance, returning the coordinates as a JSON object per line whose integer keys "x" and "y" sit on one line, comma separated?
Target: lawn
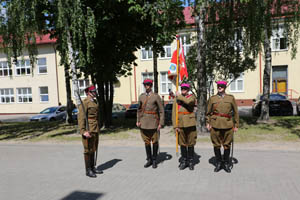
{"x": 277, "y": 129}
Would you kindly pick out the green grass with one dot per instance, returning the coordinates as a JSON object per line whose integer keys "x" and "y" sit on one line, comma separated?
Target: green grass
{"x": 277, "y": 129}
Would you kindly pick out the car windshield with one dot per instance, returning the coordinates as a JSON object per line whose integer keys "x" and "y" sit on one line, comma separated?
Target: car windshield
{"x": 133, "y": 106}
{"x": 48, "y": 110}
{"x": 276, "y": 97}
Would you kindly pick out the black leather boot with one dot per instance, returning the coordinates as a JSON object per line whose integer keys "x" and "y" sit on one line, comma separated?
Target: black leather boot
{"x": 218, "y": 159}
{"x": 93, "y": 164}
{"x": 191, "y": 157}
{"x": 183, "y": 163}
{"x": 88, "y": 169}
{"x": 149, "y": 157}
{"x": 154, "y": 156}
{"x": 226, "y": 160}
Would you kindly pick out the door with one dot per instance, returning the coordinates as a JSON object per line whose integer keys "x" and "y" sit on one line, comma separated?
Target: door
{"x": 279, "y": 79}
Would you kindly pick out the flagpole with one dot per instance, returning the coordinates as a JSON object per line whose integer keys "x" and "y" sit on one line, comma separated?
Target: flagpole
{"x": 177, "y": 81}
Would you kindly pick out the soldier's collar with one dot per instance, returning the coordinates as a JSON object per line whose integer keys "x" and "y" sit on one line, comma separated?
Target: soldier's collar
{"x": 221, "y": 95}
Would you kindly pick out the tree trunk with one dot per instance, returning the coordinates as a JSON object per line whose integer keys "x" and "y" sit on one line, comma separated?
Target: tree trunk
{"x": 69, "y": 96}
{"x": 101, "y": 101}
{"x": 264, "y": 115}
{"x": 201, "y": 75}
{"x": 155, "y": 73}
{"x": 75, "y": 85}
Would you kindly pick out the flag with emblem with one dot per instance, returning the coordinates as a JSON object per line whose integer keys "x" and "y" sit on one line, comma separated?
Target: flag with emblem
{"x": 172, "y": 72}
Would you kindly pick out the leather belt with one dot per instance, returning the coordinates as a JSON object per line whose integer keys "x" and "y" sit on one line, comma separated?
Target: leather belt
{"x": 92, "y": 118}
{"x": 150, "y": 112}
{"x": 184, "y": 113}
{"x": 222, "y": 115}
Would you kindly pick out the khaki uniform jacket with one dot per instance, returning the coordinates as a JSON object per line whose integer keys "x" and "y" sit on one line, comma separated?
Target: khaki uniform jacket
{"x": 185, "y": 105}
{"x": 91, "y": 108}
{"x": 153, "y": 104}
{"x": 222, "y": 105}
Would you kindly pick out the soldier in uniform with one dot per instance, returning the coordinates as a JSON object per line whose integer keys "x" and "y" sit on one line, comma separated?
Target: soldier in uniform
{"x": 88, "y": 112}
{"x": 150, "y": 119}
{"x": 222, "y": 121}
{"x": 186, "y": 127}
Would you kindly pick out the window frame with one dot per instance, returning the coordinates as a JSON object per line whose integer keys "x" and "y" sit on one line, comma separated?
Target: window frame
{"x": 11, "y": 95}
{"x": 149, "y": 49}
{"x": 38, "y": 66}
{"x": 277, "y": 35}
{"x": 81, "y": 89}
{"x": 28, "y": 95}
{"x": 241, "y": 77}
{"x": 165, "y": 52}
{"x": 167, "y": 82}
{"x": 20, "y": 67}
{"x": 2, "y": 68}
{"x": 186, "y": 45}
{"x": 40, "y": 94}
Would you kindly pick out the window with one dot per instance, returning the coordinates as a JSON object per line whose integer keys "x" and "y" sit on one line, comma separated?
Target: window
{"x": 42, "y": 65}
{"x": 186, "y": 43}
{"x": 279, "y": 40}
{"x": 167, "y": 52}
{"x": 146, "y": 76}
{"x": 24, "y": 95}
{"x": 44, "y": 96}
{"x": 4, "y": 69}
{"x": 165, "y": 83}
{"x": 237, "y": 85}
{"x": 23, "y": 67}
{"x": 7, "y": 95}
{"x": 147, "y": 53}
{"x": 82, "y": 85}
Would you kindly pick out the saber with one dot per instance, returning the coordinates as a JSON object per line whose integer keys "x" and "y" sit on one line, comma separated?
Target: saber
{"x": 232, "y": 149}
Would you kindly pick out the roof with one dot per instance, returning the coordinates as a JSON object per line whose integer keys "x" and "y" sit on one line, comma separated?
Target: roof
{"x": 45, "y": 39}
{"x": 188, "y": 18}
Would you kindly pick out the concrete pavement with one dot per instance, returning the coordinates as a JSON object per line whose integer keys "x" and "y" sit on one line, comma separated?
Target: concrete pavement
{"x": 56, "y": 172}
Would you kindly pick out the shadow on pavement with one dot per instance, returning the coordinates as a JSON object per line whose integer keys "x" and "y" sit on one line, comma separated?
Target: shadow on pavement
{"x": 80, "y": 195}
{"x": 196, "y": 159}
{"x": 108, "y": 164}
{"x": 213, "y": 161}
{"x": 163, "y": 156}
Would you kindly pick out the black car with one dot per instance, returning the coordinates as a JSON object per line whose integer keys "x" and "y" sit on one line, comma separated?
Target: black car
{"x": 298, "y": 106}
{"x": 168, "y": 113}
{"x": 131, "y": 111}
{"x": 279, "y": 106}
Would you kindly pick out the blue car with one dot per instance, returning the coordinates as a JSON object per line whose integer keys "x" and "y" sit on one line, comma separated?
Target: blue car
{"x": 51, "y": 114}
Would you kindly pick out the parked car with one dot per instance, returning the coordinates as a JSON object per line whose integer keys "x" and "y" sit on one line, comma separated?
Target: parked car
{"x": 298, "y": 106}
{"x": 168, "y": 113}
{"x": 74, "y": 114}
{"x": 279, "y": 106}
{"x": 131, "y": 111}
{"x": 118, "y": 111}
{"x": 51, "y": 114}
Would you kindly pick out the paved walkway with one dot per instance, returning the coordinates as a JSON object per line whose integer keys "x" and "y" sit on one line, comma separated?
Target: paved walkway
{"x": 56, "y": 172}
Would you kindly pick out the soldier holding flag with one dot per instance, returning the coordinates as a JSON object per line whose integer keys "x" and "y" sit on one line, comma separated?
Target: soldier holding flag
{"x": 186, "y": 126}
{"x": 89, "y": 129}
{"x": 150, "y": 119}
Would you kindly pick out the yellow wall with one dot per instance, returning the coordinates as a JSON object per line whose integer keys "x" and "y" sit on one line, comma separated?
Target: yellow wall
{"x": 34, "y": 81}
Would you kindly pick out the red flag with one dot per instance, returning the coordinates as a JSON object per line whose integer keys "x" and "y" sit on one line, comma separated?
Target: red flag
{"x": 182, "y": 65}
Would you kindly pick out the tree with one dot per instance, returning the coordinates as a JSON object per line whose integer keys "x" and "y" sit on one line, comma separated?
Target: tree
{"x": 166, "y": 20}
{"x": 222, "y": 49}
{"x": 263, "y": 20}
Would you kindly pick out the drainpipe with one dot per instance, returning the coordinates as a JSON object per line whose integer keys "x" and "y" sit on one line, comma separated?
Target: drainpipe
{"x": 56, "y": 66}
{"x": 135, "y": 95}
